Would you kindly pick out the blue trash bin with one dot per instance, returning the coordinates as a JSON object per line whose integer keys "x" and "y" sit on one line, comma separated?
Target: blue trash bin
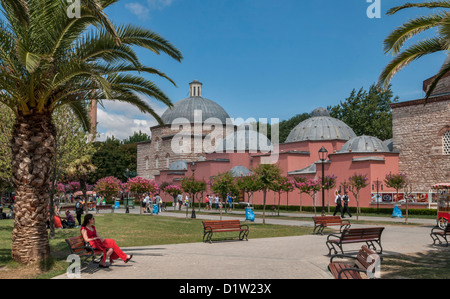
{"x": 155, "y": 209}
{"x": 249, "y": 214}
{"x": 397, "y": 212}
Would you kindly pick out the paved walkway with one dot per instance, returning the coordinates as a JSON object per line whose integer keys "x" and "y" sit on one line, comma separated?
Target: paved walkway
{"x": 297, "y": 257}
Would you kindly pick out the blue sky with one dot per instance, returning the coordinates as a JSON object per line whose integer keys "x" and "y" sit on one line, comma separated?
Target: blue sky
{"x": 267, "y": 59}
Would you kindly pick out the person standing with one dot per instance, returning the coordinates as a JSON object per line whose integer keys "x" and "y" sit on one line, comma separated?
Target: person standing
{"x": 144, "y": 204}
{"x": 79, "y": 209}
{"x": 338, "y": 202}
{"x": 345, "y": 199}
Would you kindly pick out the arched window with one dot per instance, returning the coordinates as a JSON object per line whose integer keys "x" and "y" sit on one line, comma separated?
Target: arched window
{"x": 446, "y": 142}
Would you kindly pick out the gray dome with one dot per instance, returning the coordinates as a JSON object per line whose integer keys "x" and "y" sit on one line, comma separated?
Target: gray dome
{"x": 244, "y": 140}
{"x": 178, "y": 165}
{"x": 321, "y": 126}
{"x": 186, "y": 108}
{"x": 389, "y": 144}
{"x": 364, "y": 144}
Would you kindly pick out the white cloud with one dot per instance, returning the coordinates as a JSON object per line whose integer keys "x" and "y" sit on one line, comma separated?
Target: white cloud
{"x": 121, "y": 120}
{"x": 142, "y": 11}
{"x": 138, "y": 9}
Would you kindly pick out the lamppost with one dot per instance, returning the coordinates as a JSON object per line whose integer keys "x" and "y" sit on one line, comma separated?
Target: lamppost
{"x": 127, "y": 209}
{"x": 378, "y": 182}
{"x": 323, "y": 155}
{"x": 193, "y": 168}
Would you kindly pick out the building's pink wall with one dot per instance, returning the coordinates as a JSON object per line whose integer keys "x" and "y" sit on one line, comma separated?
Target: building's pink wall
{"x": 342, "y": 166}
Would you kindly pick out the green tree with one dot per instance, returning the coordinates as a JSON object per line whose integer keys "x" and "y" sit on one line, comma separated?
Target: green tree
{"x": 280, "y": 185}
{"x": 192, "y": 186}
{"x": 397, "y": 181}
{"x": 48, "y": 60}
{"x": 267, "y": 175}
{"x": 6, "y": 126}
{"x": 136, "y": 137}
{"x": 357, "y": 182}
{"x": 248, "y": 184}
{"x": 113, "y": 158}
{"x": 367, "y": 112}
{"x": 438, "y": 21}
{"x": 223, "y": 184}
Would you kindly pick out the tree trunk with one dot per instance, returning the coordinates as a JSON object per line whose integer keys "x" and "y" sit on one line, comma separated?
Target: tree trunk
{"x": 264, "y": 207}
{"x": 33, "y": 148}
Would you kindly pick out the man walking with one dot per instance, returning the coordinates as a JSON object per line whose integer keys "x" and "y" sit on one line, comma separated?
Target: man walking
{"x": 346, "y": 209}
{"x": 338, "y": 202}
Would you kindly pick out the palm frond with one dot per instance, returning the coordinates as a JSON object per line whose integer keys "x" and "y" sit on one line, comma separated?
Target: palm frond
{"x": 397, "y": 38}
{"x": 123, "y": 67}
{"x": 81, "y": 112}
{"x": 148, "y": 39}
{"x": 431, "y": 4}
{"x": 414, "y": 52}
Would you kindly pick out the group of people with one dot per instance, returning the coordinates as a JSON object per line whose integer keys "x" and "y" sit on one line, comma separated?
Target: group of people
{"x": 217, "y": 203}
{"x": 58, "y": 222}
{"x": 148, "y": 202}
{"x": 342, "y": 204}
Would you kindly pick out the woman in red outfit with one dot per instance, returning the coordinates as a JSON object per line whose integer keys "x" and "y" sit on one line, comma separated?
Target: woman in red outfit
{"x": 108, "y": 246}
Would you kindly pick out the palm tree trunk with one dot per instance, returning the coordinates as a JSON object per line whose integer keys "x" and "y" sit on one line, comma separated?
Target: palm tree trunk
{"x": 33, "y": 148}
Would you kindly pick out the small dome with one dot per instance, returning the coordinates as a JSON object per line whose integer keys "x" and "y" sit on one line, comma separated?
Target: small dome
{"x": 320, "y": 112}
{"x": 178, "y": 165}
{"x": 321, "y": 126}
{"x": 364, "y": 144}
{"x": 187, "y": 107}
{"x": 244, "y": 140}
{"x": 389, "y": 144}
{"x": 239, "y": 171}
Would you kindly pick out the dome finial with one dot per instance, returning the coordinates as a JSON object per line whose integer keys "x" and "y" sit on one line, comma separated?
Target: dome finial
{"x": 320, "y": 112}
{"x": 195, "y": 88}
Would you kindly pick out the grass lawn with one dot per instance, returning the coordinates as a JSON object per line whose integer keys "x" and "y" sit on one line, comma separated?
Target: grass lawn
{"x": 128, "y": 230}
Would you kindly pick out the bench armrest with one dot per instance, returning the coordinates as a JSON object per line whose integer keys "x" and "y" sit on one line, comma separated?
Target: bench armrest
{"x": 436, "y": 228}
{"x": 350, "y": 269}
{"x": 242, "y": 225}
{"x": 334, "y": 235}
{"x": 343, "y": 256}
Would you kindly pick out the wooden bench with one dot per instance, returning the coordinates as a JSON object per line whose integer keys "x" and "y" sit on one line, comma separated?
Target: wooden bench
{"x": 361, "y": 266}
{"x": 82, "y": 249}
{"x": 368, "y": 235}
{"x": 104, "y": 207}
{"x": 219, "y": 226}
{"x": 320, "y": 222}
{"x": 439, "y": 235}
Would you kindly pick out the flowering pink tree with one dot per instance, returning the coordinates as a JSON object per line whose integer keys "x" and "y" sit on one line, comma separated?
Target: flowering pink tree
{"x": 108, "y": 186}
{"x": 139, "y": 186}
{"x": 173, "y": 190}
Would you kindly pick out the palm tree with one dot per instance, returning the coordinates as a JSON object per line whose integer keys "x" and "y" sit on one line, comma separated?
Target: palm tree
{"x": 439, "y": 20}
{"x": 48, "y": 60}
